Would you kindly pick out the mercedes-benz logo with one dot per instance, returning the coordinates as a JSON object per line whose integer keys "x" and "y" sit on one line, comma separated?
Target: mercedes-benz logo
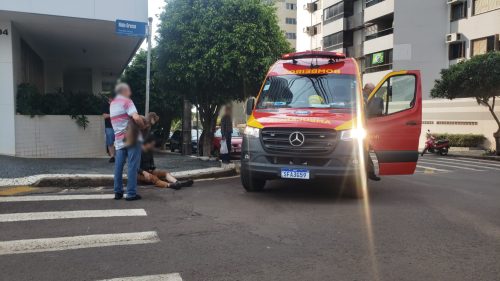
{"x": 296, "y": 139}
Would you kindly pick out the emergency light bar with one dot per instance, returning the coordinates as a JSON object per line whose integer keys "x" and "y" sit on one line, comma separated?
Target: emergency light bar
{"x": 313, "y": 54}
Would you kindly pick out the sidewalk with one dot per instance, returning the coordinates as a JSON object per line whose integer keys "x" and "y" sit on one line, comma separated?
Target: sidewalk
{"x": 475, "y": 154}
{"x": 27, "y": 171}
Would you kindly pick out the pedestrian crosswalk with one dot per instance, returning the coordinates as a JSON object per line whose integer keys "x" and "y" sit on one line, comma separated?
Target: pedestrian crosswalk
{"x": 434, "y": 164}
{"x": 60, "y": 214}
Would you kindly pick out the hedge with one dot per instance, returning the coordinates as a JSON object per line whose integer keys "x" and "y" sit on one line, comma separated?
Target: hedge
{"x": 31, "y": 102}
{"x": 462, "y": 140}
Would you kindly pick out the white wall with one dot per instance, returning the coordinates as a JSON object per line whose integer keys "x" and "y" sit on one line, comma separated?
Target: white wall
{"x": 420, "y": 28}
{"x": 52, "y": 136}
{"x": 383, "y": 8}
{"x": 136, "y": 10}
{"x": 7, "y": 100}
{"x": 305, "y": 19}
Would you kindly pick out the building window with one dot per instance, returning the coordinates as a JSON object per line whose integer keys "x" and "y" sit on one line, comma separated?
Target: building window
{"x": 483, "y": 6}
{"x": 291, "y": 21}
{"x": 378, "y": 61}
{"x": 333, "y": 12}
{"x": 484, "y": 45}
{"x": 458, "y": 11}
{"x": 456, "y": 50}
{"x": 291, "y": 6}
{"x": 291, "y": 35}
{"x": 334, "y": 41}
{"x": 369, "y": 3}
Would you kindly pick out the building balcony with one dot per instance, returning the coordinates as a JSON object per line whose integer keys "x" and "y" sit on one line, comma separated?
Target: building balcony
{"x": 379, "y": 43}
{"x": 377, "y": 8}
{"x": 334, "y": 26}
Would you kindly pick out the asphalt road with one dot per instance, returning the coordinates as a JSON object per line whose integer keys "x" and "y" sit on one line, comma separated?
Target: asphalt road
{"x": 442, "y": 223}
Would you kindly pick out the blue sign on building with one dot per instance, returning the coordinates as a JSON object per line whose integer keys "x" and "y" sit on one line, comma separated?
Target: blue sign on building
{"x": 131, "y": 28}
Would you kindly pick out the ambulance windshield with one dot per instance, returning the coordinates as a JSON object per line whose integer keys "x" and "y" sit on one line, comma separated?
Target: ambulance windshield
{"x": 309, "y": 91}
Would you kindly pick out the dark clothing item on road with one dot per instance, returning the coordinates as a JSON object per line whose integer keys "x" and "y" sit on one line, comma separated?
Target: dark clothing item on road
{"x": 105, "y": 110}
{"x": 147, "y": 161}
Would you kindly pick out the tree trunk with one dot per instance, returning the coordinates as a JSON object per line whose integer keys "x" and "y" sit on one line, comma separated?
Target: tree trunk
{"x": 208, "y": 117}
{"x": 186, "y": 129}
{"x": 497, "y": 142}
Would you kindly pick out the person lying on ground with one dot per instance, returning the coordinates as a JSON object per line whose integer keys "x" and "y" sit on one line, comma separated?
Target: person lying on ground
{"x": 149, "y": 174}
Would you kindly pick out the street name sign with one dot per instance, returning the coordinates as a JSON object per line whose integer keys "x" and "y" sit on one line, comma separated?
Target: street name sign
{"x": 131, "y": 28}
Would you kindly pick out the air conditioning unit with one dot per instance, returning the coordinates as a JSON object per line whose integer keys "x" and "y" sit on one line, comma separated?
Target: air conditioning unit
{"x": 454, "y": 1}
{"x": 453, "y": 37}
{"x": 310, "y": 7}
{"x": 309, "y": 30}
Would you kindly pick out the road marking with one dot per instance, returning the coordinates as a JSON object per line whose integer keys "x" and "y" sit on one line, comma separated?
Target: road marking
{"x": 431, "y": 168}
{"x": 72, "y": 215}
{"x": 451, "y": 166}
{"x": 161, "y": 277}
{"x": 485, "y": 162}
{"x": 16, "y": 190}
{"x": 35, "y": 198}
{"x": 466, "y": 164}
{"x": 76, "y": 242}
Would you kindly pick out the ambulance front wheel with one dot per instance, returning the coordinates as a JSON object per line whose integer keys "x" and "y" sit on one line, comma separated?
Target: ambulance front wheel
{"x": 251, "y": 183}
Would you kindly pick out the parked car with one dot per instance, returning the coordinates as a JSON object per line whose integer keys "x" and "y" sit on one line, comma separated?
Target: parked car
{"x": 236, "y": 140}
{"x": 176, "y": 140}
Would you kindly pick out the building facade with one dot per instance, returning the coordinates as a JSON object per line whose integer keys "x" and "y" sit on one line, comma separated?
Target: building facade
{"x": 388, "y": 35}
{"x": 286, "y": 11}
{"x": 60, "y": 46}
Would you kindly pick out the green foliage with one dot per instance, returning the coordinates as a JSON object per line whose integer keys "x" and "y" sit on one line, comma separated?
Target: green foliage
{"x": 215, "y": 51}
{"x": 167, "y": 104}
{"x": 31, "y": 102}
{"x": 462, "y": 140}
{"x": 478, "y": 77}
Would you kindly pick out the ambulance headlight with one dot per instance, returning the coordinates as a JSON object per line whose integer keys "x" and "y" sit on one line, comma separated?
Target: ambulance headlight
{"x": 252, "y": 132}
{"x": 356, "y": 134}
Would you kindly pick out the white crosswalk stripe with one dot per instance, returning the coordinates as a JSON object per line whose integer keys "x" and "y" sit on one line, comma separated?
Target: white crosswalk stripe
{"x": 160, "y": 277}
{"x": 432, "y": 168}
{"x": 440, "y": 163}
{"x": 469, "y": 164}
{"x": 478, "y": 161}
{"x": 51, "y": 244}
{"x": 76, "y": 242}
{"x": 36, "y": 216}
{"x": 35, "y": 198}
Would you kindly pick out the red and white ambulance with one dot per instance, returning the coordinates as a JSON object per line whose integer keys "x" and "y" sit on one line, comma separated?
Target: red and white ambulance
{"x": 310, "y": 117}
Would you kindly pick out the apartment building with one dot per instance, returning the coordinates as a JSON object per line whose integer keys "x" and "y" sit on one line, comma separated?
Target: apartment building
{"x": 388, "y": 35}
{"x": 60, "y": 46}
{"x": 286, "y": 11}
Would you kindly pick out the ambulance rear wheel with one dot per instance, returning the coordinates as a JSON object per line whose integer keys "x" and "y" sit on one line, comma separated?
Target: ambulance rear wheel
{"x": 250, "y": 183}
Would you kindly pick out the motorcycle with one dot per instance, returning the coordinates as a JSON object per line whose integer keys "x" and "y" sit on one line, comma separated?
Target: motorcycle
{"x": 433, "y": 145}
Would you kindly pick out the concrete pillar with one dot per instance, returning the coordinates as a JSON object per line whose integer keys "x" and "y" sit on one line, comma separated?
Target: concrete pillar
{"x": 7, "y": 91}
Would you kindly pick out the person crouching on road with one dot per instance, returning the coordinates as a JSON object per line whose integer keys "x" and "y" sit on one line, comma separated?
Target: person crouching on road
{"x": 149, "y": 174}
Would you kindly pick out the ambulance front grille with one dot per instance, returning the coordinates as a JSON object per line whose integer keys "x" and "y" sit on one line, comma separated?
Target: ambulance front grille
{"x": 316, "y": 141}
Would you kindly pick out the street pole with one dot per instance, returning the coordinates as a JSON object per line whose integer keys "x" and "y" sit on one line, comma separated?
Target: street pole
{"x": 148, "y": 64}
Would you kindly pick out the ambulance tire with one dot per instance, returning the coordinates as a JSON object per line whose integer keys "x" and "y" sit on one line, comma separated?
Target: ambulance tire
{"x": 352, "y": 188}
{"x": 250, "y": 183}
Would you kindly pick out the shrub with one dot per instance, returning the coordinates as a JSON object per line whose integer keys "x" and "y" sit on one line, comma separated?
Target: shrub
{"x": 31, "y": 102}
{"x": 462, "y": 140}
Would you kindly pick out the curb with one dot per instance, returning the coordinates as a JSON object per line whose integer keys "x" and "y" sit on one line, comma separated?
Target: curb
{"x": 88, "y": 180}
{"x": 490, "y": 158}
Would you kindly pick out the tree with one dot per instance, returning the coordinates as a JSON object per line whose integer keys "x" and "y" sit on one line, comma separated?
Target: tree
{"x": 167, "y": 104}
{"x": 479, "y": 78}
{"x": 217, "y": 51}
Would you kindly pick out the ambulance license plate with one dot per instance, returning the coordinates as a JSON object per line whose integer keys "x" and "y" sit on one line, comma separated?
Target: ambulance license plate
{"x": 295, "y": 174}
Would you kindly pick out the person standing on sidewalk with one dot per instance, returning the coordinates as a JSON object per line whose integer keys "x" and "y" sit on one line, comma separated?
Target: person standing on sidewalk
{"x": 226, "y": 128}
{"x": 108, "y": 129}
{"x": 122, "y": 111}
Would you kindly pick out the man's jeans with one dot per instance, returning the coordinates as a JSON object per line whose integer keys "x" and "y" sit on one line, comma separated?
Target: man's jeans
{"x": 132, "y": 155}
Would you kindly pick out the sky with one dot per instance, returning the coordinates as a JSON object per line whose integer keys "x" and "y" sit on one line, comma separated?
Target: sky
{"x": 155, "y": 7}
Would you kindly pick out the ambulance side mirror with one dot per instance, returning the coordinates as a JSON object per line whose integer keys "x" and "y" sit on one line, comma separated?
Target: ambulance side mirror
{"x": 250, "y": 106}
